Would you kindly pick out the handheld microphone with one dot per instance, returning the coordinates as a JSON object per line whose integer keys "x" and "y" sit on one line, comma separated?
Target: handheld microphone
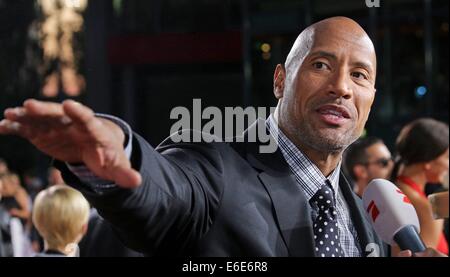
{"x": 392, "y": 215}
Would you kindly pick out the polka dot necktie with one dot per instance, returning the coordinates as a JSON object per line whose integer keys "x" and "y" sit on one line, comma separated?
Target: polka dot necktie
{"x": 326, "y": 235}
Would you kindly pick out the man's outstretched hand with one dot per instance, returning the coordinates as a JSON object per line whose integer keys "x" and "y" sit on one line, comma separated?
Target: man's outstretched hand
{"x": 70, "y": 132}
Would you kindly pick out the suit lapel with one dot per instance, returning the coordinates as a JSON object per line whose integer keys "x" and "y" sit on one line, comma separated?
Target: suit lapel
{"x": 357, "y": 214}
{"x": 292, "y": 210}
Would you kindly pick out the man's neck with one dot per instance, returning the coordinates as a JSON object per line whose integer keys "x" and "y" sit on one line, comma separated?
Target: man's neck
{"x": 325, "y": 162}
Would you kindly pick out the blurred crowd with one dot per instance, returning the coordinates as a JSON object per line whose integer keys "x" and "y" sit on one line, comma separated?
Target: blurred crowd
{"x": 419, "y": 168}
{"x": 48, "y": 218}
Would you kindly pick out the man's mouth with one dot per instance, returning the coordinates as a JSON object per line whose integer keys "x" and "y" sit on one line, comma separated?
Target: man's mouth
{"x": 333, "y": 114}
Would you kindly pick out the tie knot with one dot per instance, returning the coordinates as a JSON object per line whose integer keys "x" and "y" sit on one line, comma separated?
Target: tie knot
{"x": 323, "y": 198}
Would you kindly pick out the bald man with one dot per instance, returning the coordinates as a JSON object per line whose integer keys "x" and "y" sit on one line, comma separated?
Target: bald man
{"x": 230, "y": 199}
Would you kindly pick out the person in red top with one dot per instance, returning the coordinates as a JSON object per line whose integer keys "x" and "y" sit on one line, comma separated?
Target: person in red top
{"x": 423, "y": 157}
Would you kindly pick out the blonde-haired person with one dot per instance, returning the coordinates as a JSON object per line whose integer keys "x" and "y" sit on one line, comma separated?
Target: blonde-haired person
{"x": 61, "y": 217}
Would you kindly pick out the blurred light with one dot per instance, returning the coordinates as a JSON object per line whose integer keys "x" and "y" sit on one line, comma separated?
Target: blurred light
{"x": 265, "y": 47}
{"x": 117, "y": 6}
{"x": 266, "y": 56}
{"x": 77, "y": 4}
{"x": 62, "y": 19}
{"x": 420, "y": 91}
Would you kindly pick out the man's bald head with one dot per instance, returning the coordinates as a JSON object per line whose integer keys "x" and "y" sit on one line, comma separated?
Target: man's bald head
{"x": 327, "y": 86}
{"x": 346, "y": 28}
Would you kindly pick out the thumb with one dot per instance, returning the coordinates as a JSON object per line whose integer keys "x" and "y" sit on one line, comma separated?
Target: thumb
{"x": 121, "y": 171}
{"x": 405, "y": 254}
{"x": 112, "y": 164}
{"x": 127, "y": 177}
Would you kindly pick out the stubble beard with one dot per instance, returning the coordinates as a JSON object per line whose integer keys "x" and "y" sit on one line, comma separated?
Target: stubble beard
{"x": 325, "y": 140}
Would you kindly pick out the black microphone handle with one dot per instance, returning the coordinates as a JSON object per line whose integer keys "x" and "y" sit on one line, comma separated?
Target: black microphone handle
{"x": 408, "y": 239}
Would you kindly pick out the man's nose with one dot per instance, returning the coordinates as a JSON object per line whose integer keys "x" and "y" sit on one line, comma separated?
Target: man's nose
{"x": 339, "y": 85}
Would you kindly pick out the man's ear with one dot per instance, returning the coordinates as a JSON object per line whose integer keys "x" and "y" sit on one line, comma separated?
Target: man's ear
{"x": 279, "y": 78}
{"x": 360, "y": 171}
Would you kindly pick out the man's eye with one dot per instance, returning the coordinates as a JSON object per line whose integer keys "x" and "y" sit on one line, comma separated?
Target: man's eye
{"x": 320, "y": 65}
{"x": 359, "y": 75}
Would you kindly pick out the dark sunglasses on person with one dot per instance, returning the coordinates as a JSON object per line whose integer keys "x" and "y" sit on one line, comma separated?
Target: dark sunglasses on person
{"x": 383, "y": 162}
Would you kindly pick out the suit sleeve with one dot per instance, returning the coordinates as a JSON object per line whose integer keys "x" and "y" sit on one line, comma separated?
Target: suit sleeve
{"x": 176, "y": 203}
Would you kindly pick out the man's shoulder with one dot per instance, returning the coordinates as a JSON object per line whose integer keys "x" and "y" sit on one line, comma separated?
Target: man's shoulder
{"x": 189, "y": 139}
{"x": 233, "y": 151}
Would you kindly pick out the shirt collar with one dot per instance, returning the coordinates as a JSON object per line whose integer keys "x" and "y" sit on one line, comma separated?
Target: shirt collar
{"x": 306, "y": 172}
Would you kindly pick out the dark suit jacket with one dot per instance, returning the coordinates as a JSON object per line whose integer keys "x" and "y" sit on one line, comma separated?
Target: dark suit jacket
{"x": 101, "y": 241}
{"x": 214, "y": 199}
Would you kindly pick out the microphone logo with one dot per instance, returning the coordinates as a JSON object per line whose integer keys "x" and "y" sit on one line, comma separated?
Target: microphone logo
{"x": 405, "y": 198}
{"x": 372, "y": 209}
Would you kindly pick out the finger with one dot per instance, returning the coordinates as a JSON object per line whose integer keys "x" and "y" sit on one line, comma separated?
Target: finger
{"x": 8, "y": 127}
{"x": 405, "y": 254}
{"x": 19, "y": 115}
{"x": 51, "y": 114}
{"x": 15, "y": 114}
{"x": 77, "y": 112}
{"x": 85, "y": 119}
{"x": 51, "y": 119}
{"x": 4, "y": 129}
{"x": 38, "y": 114}
{"x": 43, "y": 109}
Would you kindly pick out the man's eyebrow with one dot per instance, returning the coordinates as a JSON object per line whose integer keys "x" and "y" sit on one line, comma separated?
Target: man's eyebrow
{"x": 321, "y": 53}
{"x": 366, "y": 66}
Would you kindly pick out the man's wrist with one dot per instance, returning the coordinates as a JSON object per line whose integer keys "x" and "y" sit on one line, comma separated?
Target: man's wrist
{"x": 125, "y": 135}
{"x": 126, "y": 131}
